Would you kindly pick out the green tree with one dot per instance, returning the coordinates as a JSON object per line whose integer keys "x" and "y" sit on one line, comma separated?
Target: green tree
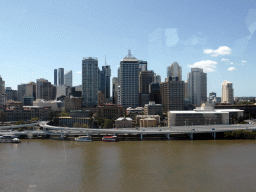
{"x": 20, "y": 122}
{"x": 108, "y": 123}
{"x": 3, "y": 117}
{"x": 64, "y": 114}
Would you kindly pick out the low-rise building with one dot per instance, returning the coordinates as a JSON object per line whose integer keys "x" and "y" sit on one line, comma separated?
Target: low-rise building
{"x": 110, "y": 111}
{"x": 123, "y": 122}
{"x": 70, "y": 121}
{"x": 53, "y": 104}
{"x": 148, "y": 122}
{"x": 204, "y": 115}
{"x": 26, "y": 113}
{"x": 137, "y": 110}
{"x": 153, "y": 109}
{"x": 139, "y": 117}
{"x": 73, "y": 103}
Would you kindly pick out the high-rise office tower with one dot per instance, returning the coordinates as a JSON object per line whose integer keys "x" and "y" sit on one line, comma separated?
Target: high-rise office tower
{"x": 45, "y": 90}
{"x": 227, "y": 92}
{"x": 143, "y": 65}
{"x": 55, "y": 77}
{"x": 90, "y": 81}
{"x": 197, "y": 86}
{"x": 107, "y": 71}
{"x": 157, "y": 78}
{"x": 2, "y": 91}
{"x": 155, "y": 95}
{"x": 61, "y": 76}
{"x": 145, "y": 78}
{"x": 21, "y": 92}
{"x": 172, "y": 94}
{"x": 101, "y": 87}
{"x": 174, "y": 71}
{"x": 68, "y": 78}
{"x": 129, "y": 81}
{"x": 31, "y": 90}
{"x": 115, "y": 90}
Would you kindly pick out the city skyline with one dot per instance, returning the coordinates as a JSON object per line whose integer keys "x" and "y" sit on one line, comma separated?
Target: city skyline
{"x": 219, "y": 37}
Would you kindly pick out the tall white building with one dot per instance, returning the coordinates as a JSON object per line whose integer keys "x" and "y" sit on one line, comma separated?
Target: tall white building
{"x": 197, "y": 86}
{"x": 90, "y": 81}
{"x": 68, "y": 78}
{"x": 227, "y": 93}
{"x": 174, "y": 71}
{"x": 129, "y": 81}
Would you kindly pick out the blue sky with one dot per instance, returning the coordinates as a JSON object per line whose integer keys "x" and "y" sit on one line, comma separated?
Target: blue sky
{"x": 37, "y": 37}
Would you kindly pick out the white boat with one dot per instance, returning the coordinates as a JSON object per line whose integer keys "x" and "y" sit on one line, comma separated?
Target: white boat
{"x": 9, "y": 139}
{"x": 83, "y": 138}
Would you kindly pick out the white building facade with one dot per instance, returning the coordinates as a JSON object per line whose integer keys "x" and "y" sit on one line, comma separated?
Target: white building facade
{"x": 227, "y": 93}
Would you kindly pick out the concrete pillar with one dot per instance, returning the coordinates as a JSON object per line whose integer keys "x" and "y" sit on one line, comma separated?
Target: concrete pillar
{"x": 141, "y": 136}
{"x": 191, "y": 136}
{"x": 168, "y": 136}
{"x": 61, "y": 133}
{"x": 214, "y": 135}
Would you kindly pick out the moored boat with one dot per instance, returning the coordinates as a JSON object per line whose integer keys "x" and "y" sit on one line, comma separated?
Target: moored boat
{"x": 109, "y": 138}
{"x": 9, "y": 139}
{"x": 83, "y": 138}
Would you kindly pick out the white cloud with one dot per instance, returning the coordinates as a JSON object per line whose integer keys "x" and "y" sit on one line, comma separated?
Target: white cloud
{"x": 231, "y": 63}
{"x": 79, "y": 72}
{"x": 244, "y": 61}
{"x": 225, "y": 60}
{"x": 231, "y": 68}
{"x": 207, "y": 66}
{"x": 224, "y": 50}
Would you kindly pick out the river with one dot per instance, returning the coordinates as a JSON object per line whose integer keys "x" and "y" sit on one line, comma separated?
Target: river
{"x": 175, "y": 165}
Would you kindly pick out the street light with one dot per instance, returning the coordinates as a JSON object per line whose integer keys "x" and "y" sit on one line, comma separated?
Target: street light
{"x": 185, "y": 123}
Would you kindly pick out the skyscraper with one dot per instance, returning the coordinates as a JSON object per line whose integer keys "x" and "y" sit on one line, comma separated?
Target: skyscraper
{"x": 107, "y": 71}
{"x": 172, "y": 94}
{"x": 115, "y": 90}
{"x": 197, "y": 86}
{"x": 227, "y": 92}
{"x": 174, "y": 71}
{"x": 129, "y": 81}
{"x": 2, "y": 91}
{"x": 61, "y": 76}
{"x": 44, "y": 90}
{"x": 68, "y": 78}
{"x": 157, "y": 78}
{"x": 90, "y": 81}
{"x": 21, "y": 92}
{"x": 55, "y": 77}
{"x": 145, "y": 78}
{"x": 143, "y": 65}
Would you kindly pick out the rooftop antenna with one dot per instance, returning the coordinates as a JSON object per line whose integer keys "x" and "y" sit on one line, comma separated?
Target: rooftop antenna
{"x": 129, "y": 53}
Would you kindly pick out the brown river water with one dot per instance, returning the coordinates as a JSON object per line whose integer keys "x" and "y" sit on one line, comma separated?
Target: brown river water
{"x": 175, "y": 165}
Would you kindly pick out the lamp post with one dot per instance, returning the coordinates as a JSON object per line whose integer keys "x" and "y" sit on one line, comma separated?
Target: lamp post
{"x": 185, "y": 123}
{"x": 209, "y": 121}
{"x": 231, "y": 120}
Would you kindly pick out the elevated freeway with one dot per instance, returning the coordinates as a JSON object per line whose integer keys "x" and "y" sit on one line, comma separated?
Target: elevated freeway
{"x": 166, "y": 131}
